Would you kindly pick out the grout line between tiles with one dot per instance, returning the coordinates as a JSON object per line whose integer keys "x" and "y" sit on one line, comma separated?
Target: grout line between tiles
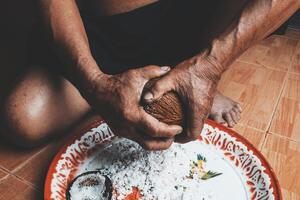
{"x": 26, "y": 182}
{"x": 12, "y": 173}
{"x": 281, "y": 93}
{"x": 294, "y": 73}
{"x": 5, "y": 170}
{"x": 277, "y": 102}
{"x": 22, "y": 164}
{"x": 264, "y": 141}
{"x": 26, "y": 161}
{"x": 6, "y": 174}
{"x": 293, "y": 60}
{"x": 259, "y": 130}
{"x": 283, "y": 137}
{"x": 20, "y": 179}
{"x": 254, "y": 128}
{"x": 3, "y": 178}
{"x": 261, "y": 65}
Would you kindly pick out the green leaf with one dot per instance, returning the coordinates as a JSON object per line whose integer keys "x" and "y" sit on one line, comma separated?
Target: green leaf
{"x": 200, "y": 157}
{"x": 209, "y": 175}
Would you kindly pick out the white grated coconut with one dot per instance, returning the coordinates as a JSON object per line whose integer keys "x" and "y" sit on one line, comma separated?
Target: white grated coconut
{"x": 162, "y": 175}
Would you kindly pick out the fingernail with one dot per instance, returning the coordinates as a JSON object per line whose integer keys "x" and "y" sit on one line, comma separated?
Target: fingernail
{"x": 148, "y": 96}
{"x": 165, "y": 68}
{"x": 180, "y": 130}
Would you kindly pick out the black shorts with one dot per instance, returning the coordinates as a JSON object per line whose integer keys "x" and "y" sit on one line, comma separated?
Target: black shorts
{"x": 161, "y": 33}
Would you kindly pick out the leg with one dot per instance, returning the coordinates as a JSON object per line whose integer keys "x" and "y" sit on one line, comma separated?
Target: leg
{"x": 39, "y": 104}
{"x": 224, "y": 110}
{"x": 221, "y": 14}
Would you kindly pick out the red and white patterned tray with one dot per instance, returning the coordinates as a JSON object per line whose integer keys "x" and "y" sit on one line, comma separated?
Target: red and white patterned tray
{"x": 247, "y": 175}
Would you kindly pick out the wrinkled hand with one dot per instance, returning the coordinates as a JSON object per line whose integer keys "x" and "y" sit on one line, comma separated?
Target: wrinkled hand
{"x": 195, "y": 81}
{"x": 117, "y": 99}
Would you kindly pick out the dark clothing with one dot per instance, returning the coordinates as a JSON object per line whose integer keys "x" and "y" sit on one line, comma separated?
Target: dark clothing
{"x": 161, "y": 33}
{"x": 155, "y": 34}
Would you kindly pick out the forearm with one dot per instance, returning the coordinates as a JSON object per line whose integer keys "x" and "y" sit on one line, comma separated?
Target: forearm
{"x": 67, "y": 31}
{"x": 258, "y": 19}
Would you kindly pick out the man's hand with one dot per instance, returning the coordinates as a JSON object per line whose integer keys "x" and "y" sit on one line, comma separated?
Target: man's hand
{"x": 117, "y": 99}
{"x": 195, "y": 82}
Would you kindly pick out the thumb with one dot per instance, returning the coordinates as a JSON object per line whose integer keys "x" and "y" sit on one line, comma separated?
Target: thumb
{"x": 153, "y": 71}
{"x": 158, "y": 88}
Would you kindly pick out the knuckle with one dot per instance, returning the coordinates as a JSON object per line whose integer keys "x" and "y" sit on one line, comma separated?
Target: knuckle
{"x": 153, "y": 67}
{"x": 149, "y": 71}
{"x": 153, "y": 132}
{"x": 168, "y": 144}
{"x": 149, "y": 129}
{"x": 170, "y": 133}
{"x": 163, "y": 85}
{"x": 158, "y": 132}
{"x": 157, "y": 86}
{"x": 133, "y": 73}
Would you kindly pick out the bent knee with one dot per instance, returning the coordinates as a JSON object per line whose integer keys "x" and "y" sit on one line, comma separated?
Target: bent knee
{"x": 23, "y": 127}
{"x": 40, "y": 106}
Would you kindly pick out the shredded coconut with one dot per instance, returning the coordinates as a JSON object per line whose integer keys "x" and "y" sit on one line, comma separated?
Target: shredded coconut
{"x": 88, "y": 187}
{"x": 161, "y": 175}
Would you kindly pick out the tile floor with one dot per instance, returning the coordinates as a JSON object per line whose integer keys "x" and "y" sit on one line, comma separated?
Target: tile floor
{"x": 265, "y": 80}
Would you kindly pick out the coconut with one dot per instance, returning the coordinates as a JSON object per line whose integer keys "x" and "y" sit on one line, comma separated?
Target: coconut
{"x": 90, "y": 186}
{"x": 167, "y": 109}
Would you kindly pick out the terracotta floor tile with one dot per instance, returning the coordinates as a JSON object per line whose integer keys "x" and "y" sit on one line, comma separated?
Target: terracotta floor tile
{"x": 289, "y": 195}
{"x": 12, "y": 188}
{"x": 286, "y": 121}
{"x": 35, "y": 170}
{"x": 274, "y": 52}
{"x": 295, "y": 66}
{"x": 292, "y": 34}
{"x": 256, "y": 88}
{"x": 11, "y": 156}
{"x": 256, "y": 137}
{"x": 2, "y": 174}
{"x": 284, "y": 157}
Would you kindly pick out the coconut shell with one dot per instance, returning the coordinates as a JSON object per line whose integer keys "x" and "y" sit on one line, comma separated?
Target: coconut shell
{"x": 167, "y": 109}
